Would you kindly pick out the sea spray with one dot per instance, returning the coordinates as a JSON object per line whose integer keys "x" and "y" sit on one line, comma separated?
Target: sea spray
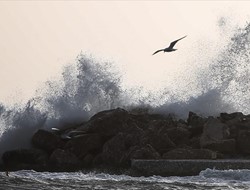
{"x": 220, "y": 86}
{"x": 88, "y": 86}
{"x": 84, "y": 89}
{"x": 18, "y": 125}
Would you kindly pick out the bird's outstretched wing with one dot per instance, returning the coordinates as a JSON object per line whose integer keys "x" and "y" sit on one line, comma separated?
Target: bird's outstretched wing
{"x": 174, "y": 42}
{"x": 158, "y": 51}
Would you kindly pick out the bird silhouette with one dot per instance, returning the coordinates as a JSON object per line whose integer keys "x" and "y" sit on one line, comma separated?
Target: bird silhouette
{"x": 170, "y": 48}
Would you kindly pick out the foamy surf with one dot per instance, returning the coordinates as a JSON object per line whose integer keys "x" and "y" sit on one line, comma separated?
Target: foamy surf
{"x": 208, "y": 179}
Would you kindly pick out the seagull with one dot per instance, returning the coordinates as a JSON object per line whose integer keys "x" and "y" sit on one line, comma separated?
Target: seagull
{"x": 170, "y": 48}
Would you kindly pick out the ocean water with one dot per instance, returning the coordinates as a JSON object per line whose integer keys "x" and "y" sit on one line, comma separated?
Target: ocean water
{"x": 207, "y": 179}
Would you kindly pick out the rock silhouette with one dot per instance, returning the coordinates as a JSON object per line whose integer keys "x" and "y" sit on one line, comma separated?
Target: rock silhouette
{"x": 112, "y": 138}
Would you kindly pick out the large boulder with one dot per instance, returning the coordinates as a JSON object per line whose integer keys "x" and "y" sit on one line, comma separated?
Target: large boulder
{"x": 25, "y": 159}
{"x": 159, "y": 125}
{"x": 231, "y": 117}
{"x": 117, "y": 147}
{"x": 159, "y": 140}
{"x": 226, "y": 146}
{"x": 194, "y": 142}
{"x": 213, "y": 131}
{"x": 144, "y": 120}
{"x": 178, "y": 135}
{"x": 236, "y": 122}
{"x": 195, "y": 123}
{"x": 111, "y": 122}
{"x": 142, "y": 152}
{"x": 186, "y": 153}
{"x": 64, "y": 160}
{"x": 47, "y": 141}
{"x": 85, "y": 144}
{"x": 138, "y": 152}
{"x": 243, "y": 141}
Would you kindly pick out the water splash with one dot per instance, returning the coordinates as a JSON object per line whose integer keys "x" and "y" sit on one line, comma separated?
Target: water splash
{"x": 17, "y": 126}
{"x": 221, "y": 84}
{"x": 84, "y": 89}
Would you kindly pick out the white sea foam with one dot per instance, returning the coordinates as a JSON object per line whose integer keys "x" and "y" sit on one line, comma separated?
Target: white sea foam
{"x": 213, "y": 179}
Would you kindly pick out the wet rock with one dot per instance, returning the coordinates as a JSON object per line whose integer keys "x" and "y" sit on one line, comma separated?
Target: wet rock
{"x": 159, "y": 140}
{"x": 145, "y": 120}
{"x": 25, "y": 159}
{"x": 231, "y": 116}
{"x": 194, "y": 143}
{"x": 109, "y": 122}
{"x": 64, "y": 160}
{"x": 46, "y": 140}
{"x": 113, "y": 138}
{"x": 157, "y": 125}
{"x": 227, "y": 146}
{"x": 236, "y": 121}
{"x": 83, "y": 145}
{"x": 144, "y": 152}
{"x": 178, "y": 135}
{"x": 243, "y": 141}
{"x": 214, "y": 130}
{"x": 195, "y": 123}
{"x": 87, "y": 161}
{"x": 116, "y": 148}
{"x": 181, "y": 153}
{"x": 97, "y": 160}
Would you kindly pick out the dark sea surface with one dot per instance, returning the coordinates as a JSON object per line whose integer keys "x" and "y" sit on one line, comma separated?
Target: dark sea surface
{"x": 208, "y": 179}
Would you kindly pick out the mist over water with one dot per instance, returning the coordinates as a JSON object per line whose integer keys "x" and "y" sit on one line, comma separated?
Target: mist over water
{"x": 219, "y": 83}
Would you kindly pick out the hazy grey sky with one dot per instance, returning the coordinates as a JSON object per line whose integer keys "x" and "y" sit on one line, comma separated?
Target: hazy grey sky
{"x": 38, "y": 38}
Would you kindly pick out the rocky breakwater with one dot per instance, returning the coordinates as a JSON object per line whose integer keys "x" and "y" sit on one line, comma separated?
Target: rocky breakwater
{"x": 112, "y": 138}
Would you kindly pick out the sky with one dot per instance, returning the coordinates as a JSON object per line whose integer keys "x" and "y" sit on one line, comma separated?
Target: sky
{"x": 37, "y": 38}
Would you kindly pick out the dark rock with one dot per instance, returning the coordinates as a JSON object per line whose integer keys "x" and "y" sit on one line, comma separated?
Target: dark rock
{"x": 159, "y": 140}
{"x": 156, "y": 125}
{"x": 243, "y": 141}
{"x": 236, "y": 121}
{"x": 195, "y": 123}
{"x": 63, "y": 160}
{"x": 227, "y": 146}
{"x": 25, "y": 159}
{"x": 46, "y": 140}
{"x": 88, "y": 143}
{"x": 232, "y": 116}
{"x": 194, "y": 142}
{"x": 214, "y": 130}
{"x": 88, "y": 159}
{"x": 178, "y": 135}
{"x": 138, "y": 152}
{"x": 181, "y": 153}
{"x": 145, "y": 120}
{"x": 116, "y": 148}
{"x": 145, "y": 152}
{"x": 112, "y": 138}
{"x": 109, "y": 122}
{"x": 97, "y": 160}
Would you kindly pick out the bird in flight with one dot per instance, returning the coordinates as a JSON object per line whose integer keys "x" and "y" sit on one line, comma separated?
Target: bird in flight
{"x": 170, "y": 48}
